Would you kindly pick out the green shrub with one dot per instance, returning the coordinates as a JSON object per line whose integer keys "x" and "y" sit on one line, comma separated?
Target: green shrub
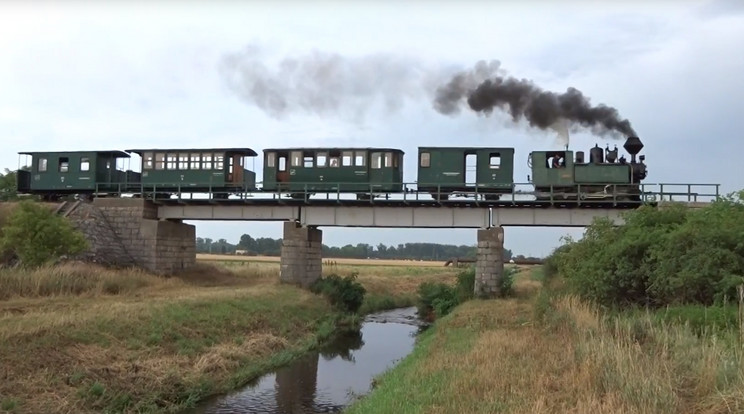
{"x": 506, "y": 285}
{"x": 659, "y": 257}
{"x": 466, "y": 285}
{"x": 35, "y": 235}
{"x": 701, "y": 319}
{"x": 346, "y": 294}
{"x": 436, "y": 299}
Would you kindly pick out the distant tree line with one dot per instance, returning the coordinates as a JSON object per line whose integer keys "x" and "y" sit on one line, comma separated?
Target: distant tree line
{"x": 265, "y": 246}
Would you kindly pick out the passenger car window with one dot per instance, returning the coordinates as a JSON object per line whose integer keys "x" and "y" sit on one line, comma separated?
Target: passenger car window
{"x": 425, "y": 159}
{"x": 321, "y": 159}
{"x": 359, "y": 158}
{"x": 270, "y": 159}
{"x": 195, "y": 161}
{"x": 296, "y": 159}
{"x": 308, "y": 161}
{"x": 346, "y": 160}
{"x": 494, "y": 160}
{"x": 42, "y": 164}
{"x": 148, "y": 160}
{"x": 206, "y": 161}
{"x": 170, "y": 161}
{"x": 84, "y": 164}
{"x": 388, "y": 159}
{"x": 159, "y": 161}
{"x": 219, "y": 161}
{"x": 183, "y": 161}
{"x": 64, "y": 164}
{"x": 376, "y": 160}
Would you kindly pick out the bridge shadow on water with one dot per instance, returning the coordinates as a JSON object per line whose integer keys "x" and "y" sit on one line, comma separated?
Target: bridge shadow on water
{"x": 331, "y": 378}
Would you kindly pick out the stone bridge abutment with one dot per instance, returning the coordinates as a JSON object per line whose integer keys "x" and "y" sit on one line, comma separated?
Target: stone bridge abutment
{"x": 127, "y": 231}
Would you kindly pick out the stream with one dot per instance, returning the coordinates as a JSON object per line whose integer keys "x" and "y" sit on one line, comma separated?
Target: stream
{"x": 331, "y": 378}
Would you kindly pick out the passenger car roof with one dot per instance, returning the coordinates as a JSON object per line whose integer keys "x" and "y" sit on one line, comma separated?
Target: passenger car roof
{"x": 116, "y": 153}
{"x": 241, "y": 151}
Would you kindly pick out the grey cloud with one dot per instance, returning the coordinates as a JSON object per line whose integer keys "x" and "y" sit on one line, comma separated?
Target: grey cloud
{"x": 718, "y": 8}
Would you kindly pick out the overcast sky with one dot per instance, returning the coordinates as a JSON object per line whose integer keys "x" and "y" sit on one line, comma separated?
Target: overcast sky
{"x": 83, "y": 75}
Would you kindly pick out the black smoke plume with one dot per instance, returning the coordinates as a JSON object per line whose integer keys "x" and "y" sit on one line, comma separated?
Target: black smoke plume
{"x": 522, "y": 99}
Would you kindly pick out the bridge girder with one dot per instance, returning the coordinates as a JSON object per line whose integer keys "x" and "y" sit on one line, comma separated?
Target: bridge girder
{"x": 394, "y": 217}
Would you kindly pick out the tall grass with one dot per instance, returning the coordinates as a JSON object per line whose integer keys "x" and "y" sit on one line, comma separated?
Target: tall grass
{"x": 71, "y": 279}
{"x": 77, "y": 278}
{"x": 542, "y": 352}
{"x": 654, "y": 365}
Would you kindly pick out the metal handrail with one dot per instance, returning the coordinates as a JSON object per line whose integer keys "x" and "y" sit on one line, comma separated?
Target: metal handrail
{"x": 647, "y": 192}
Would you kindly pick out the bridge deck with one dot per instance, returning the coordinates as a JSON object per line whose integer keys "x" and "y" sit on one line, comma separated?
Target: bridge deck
{"x": 398, "y": 215}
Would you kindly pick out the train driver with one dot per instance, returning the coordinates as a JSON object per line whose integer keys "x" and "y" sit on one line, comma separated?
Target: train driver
{"x": 558, "y": 161}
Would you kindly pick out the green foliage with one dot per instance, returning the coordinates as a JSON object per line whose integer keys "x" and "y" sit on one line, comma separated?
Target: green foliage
{"x": 660, "y": 256}
{"x": 436, "y": 299}
{"x": 701, "y": 319}
{"x": 506, "y": 284}
{"x": 8, "y": 404}
{"x": 35, "y": 235}
{"x": 345, "y": 293}
{"x": 8, "y": 189}
{"x": 465, "y": 286}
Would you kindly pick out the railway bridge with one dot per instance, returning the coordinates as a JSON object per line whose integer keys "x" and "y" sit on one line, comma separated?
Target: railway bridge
{"x": 150, "y": 233}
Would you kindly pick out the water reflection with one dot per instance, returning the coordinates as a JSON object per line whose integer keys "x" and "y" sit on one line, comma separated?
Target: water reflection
{"x": 312, "y": 384}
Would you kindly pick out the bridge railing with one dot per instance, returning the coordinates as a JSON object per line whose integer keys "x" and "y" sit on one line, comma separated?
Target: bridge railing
{"x": 515, "y": 193}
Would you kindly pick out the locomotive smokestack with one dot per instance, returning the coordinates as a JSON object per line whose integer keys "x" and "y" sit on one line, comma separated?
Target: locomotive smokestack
{"x": 633, "y": 145}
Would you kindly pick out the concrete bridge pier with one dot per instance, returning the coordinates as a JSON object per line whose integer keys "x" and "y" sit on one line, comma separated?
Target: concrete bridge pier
{"x": 301, "y": 261}
{"x": 489, "y": 265}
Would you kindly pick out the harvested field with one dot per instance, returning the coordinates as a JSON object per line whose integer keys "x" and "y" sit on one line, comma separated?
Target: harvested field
{"x": 339, "y": 261}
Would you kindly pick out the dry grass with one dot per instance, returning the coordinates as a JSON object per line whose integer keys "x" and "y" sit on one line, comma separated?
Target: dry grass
{"x": 79, "y": 338}
{"x": 338, "y": 261}
{"x": 493, "y": 356}
{"x": 69, "y": 343}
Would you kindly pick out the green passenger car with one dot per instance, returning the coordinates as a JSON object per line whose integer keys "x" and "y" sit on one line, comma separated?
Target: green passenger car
{"x": 220, "y": 171}
{"x": 303, "y": 171}
{"x": 53, "y": 174}
{"x": 443, "y": 171}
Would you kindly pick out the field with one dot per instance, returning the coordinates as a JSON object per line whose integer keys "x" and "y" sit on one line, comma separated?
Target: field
{"x": 78, "y": 338}
{"x": 544, "y": 352}
{"x": 340, "y": 261}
